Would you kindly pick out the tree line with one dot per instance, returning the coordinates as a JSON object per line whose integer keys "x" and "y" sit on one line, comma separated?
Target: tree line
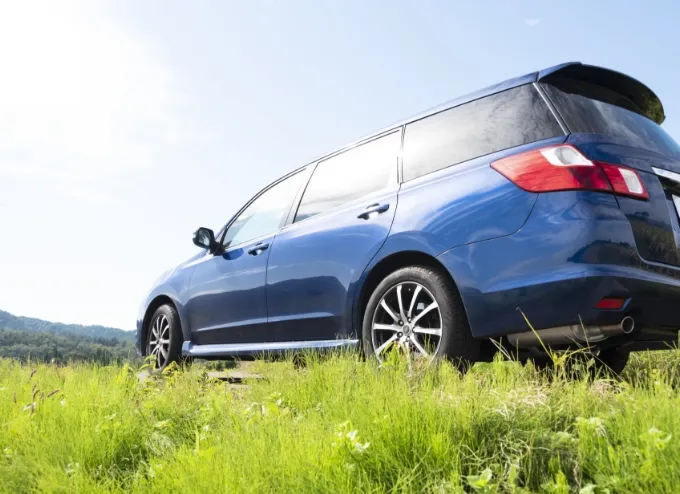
{"x": 63, "y": 347}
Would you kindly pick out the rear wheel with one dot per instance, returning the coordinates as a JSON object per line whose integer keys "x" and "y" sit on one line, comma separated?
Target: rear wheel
{"x": 612, "y": 360}
{"x": 418, "y": 312}
{"x": 164, "y": 336}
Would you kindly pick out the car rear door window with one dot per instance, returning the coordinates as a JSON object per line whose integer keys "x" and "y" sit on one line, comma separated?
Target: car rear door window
{"x": 367, "y": 168}
{"x": 487, "y": 125}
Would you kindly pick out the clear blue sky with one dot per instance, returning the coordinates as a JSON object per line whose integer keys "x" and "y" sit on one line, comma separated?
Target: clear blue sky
{"x": 125, "y": 125}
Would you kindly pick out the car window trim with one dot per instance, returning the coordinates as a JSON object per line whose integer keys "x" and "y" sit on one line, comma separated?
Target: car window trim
{"x": 553, "y": 109}
{"x": 298, "y": 197}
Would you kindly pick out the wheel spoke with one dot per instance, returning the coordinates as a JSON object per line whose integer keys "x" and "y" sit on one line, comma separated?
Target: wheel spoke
{"x": 165, "y": 341}
{"x": 432, "y": 331}
{"x": 384, "y": 305}
{"x": 416, "y": 292}
{"x": 427, "y": 309}
{"x": 418, "y": 346}
{"x": 382, "y": 347}
{"x": 164, "y": 352}
{"x": 407, "y": 347}
{"x": 401, "y": 303}
{"x": 386, "y": 327}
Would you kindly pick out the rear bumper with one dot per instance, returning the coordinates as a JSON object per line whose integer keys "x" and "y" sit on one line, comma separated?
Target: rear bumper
{"x": 575, "y": 249}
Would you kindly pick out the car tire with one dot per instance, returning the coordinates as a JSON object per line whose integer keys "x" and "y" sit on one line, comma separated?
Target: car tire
{"x": 455, "y": 343}
{"x": 164, "y": 336}
{"x": 612, "y": 360}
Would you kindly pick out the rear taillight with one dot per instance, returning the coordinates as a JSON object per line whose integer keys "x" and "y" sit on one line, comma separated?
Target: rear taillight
{"x": 563, "y": 167}
{"x": 611, "y": 303}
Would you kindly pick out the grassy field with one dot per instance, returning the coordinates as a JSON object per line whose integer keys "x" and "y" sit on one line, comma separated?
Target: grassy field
{"x": 340, "y": 425}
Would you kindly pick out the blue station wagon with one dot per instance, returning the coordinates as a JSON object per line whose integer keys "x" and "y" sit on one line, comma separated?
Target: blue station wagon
{"x": 551, "y": 198}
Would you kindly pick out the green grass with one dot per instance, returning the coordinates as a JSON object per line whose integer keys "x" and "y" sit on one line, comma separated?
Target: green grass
{"x": 340, "y": 425}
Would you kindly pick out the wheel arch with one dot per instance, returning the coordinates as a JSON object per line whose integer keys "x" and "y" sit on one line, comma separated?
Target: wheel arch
{"x": 151, "y": 308}
{"x": 390, "y": 263}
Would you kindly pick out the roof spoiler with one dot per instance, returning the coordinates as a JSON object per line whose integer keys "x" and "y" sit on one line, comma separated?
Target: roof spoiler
{"x": 643, "y": 97}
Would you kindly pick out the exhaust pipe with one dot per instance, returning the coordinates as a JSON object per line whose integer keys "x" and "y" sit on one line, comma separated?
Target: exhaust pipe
{"x": 564, "y": 335}
{"x": 628, "y": 325}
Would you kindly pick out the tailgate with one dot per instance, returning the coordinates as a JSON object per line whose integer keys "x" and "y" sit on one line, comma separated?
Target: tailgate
{"x": 615, "y": 119}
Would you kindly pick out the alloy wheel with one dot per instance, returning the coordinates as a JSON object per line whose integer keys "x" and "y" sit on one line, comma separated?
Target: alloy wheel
{"x": 408, "y": 319}
{"x": 159, "y": 340}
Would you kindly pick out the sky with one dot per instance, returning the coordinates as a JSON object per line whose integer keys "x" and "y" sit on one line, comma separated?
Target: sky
{"x": 126, "y": 125}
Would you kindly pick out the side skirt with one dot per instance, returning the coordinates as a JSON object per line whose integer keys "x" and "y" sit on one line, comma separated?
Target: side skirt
{"x": 249, "y": 349}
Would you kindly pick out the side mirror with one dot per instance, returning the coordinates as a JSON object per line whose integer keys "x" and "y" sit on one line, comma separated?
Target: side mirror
{"x": 205, "y": 239}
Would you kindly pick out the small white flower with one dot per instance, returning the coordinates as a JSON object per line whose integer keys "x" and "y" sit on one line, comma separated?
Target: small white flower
{"x": 360, "y": 448}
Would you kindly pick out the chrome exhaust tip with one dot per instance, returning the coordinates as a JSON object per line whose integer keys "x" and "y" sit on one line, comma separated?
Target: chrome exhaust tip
{"x": 627, "y": 325}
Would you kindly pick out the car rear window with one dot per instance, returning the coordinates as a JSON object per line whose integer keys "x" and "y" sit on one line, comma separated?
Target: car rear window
{"x": 592, "y": 109}
{"x": 484, "y": 126}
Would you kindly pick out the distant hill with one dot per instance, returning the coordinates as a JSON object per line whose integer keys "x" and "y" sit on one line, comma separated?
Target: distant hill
{"x": 45, "y": 346}
{"x": 30, "y": 324}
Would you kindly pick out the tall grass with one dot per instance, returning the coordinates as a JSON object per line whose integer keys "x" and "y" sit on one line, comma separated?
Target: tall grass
{"x": 340, "y": 425}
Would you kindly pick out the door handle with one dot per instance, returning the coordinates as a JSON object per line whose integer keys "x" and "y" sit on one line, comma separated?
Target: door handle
{"x": 258, "y": 249}
{"x": 373, "y": 208}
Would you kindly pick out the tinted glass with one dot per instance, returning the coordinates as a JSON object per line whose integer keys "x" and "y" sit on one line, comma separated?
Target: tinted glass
{"x": 487, "y": 125}
{"x": 350, "y": 175}
{"x": 590, "y": 109}
{"x": 266, "y": 213}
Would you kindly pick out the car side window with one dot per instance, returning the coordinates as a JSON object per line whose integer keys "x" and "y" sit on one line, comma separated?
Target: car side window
{"x": 503, "y": 120}
{"x": 351, "y": 174}
{"x": 265, "y": 214}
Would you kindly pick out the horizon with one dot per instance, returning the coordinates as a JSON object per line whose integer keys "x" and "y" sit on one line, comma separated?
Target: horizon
{"x": 123, "y": 130}
{"x": 62, "y": 322}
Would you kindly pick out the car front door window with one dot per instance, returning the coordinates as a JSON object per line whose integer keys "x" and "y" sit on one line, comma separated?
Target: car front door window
{"x": 265, "y": 214}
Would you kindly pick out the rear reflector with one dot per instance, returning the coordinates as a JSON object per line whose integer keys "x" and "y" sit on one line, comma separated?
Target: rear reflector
{"x": 563, "y": 167}
{"x": 610, "y": 303}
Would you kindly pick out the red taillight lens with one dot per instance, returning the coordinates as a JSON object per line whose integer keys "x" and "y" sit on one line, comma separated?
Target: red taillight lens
{"x": 625, "y": 181}
{"x": 610, "y": 303}
{"x": 563, "y": 167}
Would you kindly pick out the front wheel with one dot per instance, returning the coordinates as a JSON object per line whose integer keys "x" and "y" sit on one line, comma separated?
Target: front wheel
{"x": 418, "y": 312}
{"x": 164, "y": 336}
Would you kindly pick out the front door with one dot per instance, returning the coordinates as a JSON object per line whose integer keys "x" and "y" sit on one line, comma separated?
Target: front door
{"x": 227, "y": 299}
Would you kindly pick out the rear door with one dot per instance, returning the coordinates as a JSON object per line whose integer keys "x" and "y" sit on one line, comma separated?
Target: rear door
{"x": 611, "y": 118}
{"x": 343, "y": 219}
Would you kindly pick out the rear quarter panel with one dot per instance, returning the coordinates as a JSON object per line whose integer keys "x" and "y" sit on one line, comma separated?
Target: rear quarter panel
{"x": 462, "y": 204}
